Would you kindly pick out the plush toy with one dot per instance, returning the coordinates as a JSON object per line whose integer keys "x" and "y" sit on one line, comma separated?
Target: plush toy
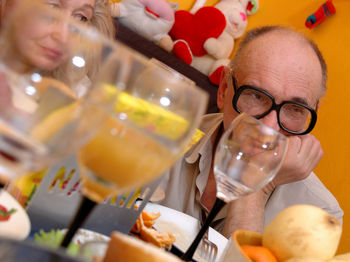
{"x": 204, "y": 38}
{"x": 150, "y": 18}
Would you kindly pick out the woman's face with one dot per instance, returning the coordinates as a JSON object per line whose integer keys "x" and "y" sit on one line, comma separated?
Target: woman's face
{"x": 42, "y": 37}
{"x": 82, "y": 10}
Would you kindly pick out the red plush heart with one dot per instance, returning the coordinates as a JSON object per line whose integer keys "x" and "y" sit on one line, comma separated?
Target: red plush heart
{"x": 196, "y": 28}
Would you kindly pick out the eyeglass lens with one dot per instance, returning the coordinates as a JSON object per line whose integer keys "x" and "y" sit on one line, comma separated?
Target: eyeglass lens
{"x": 292, "y": 117}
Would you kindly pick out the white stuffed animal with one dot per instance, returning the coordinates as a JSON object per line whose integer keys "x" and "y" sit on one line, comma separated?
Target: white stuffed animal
{"x": 150, "y": 18}
{"x": 215, "y": 50}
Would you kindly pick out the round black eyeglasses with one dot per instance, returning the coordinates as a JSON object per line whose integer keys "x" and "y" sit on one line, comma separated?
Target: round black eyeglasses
{"x": 293, "y": 117}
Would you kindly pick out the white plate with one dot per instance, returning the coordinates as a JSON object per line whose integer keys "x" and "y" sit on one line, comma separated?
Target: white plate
{"x": 184, "y": 228}
{"x": 18, "y": 224}
{"x": 85, "y": 235}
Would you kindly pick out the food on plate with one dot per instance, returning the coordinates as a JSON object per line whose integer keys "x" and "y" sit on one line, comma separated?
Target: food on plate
{"x": 258, "y": 253}
{"x": 143, "y": 229}
{"x": 53, "y": 238}
{"x": 303, "y": 231}
{"x": 159, "y": 239}
{"x": 130, "y": 249}
{"x": 94, "y": 251}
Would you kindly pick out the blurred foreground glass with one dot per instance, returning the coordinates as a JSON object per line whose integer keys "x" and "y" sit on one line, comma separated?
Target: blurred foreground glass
{"x": 248, "y": 156}
{"x": 46, "y": 61}
{"x": 150, "y": 114}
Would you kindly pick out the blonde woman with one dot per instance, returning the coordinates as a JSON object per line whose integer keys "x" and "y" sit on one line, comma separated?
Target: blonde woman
{"x": 34, "y": 47}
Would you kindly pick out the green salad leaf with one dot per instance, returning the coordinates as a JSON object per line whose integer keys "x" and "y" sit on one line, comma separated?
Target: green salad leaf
{"x": 53, "y": 238}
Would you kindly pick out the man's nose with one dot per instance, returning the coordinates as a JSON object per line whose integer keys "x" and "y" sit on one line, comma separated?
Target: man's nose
{"x": 271, "y": 120}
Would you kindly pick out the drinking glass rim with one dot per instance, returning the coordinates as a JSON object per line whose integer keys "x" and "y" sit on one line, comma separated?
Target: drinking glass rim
{"x": 266, "y": 127}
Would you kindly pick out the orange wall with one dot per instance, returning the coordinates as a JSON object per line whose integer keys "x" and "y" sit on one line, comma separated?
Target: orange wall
{"x": 333, "y": 38}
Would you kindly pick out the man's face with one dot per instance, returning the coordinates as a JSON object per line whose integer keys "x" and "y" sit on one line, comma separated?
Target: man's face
{"x": 281, "y": 64}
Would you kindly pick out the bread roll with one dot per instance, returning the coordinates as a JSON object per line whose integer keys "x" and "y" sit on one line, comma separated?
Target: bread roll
{"x": 130, "y": 249}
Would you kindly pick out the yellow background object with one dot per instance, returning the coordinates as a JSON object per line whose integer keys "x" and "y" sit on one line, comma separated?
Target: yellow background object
{"x": 333, "y": 125}
{"x": 145, "y": 114}
{"x": 151, "y": 117}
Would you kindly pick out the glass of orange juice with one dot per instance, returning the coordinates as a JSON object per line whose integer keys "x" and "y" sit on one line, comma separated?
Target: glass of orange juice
{"x": 146, "y": 114}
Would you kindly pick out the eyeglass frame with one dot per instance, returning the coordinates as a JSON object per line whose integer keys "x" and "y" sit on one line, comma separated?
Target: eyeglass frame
{"x": 274, "y": 106}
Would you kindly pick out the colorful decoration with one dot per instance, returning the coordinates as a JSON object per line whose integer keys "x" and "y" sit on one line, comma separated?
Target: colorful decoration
{"x": 150, "y": 18}
{"x": 5, "y": 214}
{"x": 204, "y": 37}
{"x": 325, "y": 10}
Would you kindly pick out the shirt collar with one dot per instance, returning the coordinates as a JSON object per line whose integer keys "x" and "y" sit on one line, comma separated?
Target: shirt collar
{"x": 210, "y": 123}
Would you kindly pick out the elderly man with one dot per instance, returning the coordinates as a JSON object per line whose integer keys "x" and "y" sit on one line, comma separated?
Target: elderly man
{"x": 286, "y": 73}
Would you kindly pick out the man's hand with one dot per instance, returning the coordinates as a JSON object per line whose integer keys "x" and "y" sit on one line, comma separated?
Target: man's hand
{"x": 304, "y": 153}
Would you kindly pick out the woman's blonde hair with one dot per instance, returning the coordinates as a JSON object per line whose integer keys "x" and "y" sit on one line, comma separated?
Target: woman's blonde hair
{"x": 101, "y": 20}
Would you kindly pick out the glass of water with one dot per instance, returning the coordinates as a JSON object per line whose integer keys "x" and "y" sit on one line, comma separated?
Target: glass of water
{"x": 248, "y": 156}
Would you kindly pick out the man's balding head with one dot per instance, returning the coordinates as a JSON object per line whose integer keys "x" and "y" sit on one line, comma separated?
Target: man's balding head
{"x": 264, "y": 33}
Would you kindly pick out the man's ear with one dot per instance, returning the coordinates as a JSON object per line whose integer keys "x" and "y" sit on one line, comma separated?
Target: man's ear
{"x": 222, "y": 87}
{"x": 220, "y": 100}
{"x": 319, "y": 104}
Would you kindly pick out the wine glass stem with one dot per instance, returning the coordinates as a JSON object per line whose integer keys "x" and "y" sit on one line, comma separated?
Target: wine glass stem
{"x": 83, "y": 212}
{"x": 218, "y": 205}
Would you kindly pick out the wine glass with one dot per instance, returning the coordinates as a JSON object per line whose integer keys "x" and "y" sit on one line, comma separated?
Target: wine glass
{"x": 247, "y": 157}
{"x": 150, "y": 113}
{"x": 45, "y": 57}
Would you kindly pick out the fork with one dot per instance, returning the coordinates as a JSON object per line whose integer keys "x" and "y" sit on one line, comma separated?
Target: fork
{"x": 209, "y": 249}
